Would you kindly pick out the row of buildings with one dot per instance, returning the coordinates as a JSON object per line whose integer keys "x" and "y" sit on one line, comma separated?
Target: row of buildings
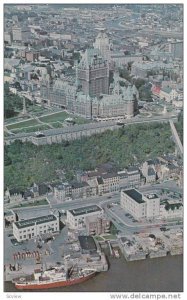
{"x": 105, "y": 179}
{"x": 90, "y": 217}
{"x": 142, "y": 206}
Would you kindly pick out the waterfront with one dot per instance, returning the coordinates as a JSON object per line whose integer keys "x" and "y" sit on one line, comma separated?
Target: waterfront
{"x": 150, "y": 275}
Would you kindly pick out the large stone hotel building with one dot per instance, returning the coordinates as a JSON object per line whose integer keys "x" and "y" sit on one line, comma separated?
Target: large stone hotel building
{"x": 92, "y": 96}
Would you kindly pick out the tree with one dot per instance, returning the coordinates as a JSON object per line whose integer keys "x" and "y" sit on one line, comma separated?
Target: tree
{"x": 124, "y": 73}
{"x": 139, "y": 82}
{"x": 145, "y": 93}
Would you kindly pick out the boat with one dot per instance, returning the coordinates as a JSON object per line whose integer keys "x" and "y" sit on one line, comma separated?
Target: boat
{"x": 52, "y": 278}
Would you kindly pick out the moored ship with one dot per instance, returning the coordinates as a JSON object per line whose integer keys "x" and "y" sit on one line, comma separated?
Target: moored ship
{"x": 52, "y": 278}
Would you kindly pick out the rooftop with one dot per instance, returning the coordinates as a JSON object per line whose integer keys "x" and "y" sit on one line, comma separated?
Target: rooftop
{"x": 87, "y": 243}
{"x": 133, "y": 169}
{"x": 76, "y": 185}
{"x": 151, "y": 172}
{"x": 85, "y": 210}
{"x": 152, "y": 196}
{"x": 135, "y": 195}
{"x": 109, "y": 175}
{"x": 9, "y": 213}
{"x": 33, "y": 221}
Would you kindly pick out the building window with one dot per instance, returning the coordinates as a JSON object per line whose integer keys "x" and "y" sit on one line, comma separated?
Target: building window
{"x": 20, "y": 237}
{"x": 24, "y": 236}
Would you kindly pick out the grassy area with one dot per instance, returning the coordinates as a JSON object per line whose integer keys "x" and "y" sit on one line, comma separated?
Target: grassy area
{"x": 60, "y": 116}
{"x": 98, "y": 238}
{"x": 57, "y": 124}
{"x": 80, "y": 120}
{"x": 16, "y": 119}
{"x": 6, "y": 134}
{"x": 28, "y": 123}
{"x": 109, "y": 237}
{"x": 31, "y": 204}
{"x": 38, "y": 110}
{"x": 31, "y": 129}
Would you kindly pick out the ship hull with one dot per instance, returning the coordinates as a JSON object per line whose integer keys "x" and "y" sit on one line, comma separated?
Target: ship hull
{"x": 55, "y": 284}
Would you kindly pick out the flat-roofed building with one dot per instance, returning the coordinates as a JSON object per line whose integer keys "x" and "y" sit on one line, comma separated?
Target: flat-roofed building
{"x": 28, "y": 229}
{"x": 87, "y": 244}
{"x": 133, "y": 202}
{"x": 97, "y": 225}
{"x": 16, "y": 34}
{"x": 171, "y": 208}
{"x": 139, "y": 205}
{"x": 134, "y": 177}
{"x": 76, "y": 217}
{"x": 152, "y": 205}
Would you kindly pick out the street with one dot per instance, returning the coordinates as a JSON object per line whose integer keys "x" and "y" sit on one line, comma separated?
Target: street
{"x": 115, "y": 214}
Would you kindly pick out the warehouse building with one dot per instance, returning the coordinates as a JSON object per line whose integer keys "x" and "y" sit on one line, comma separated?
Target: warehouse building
{"x": 139, "y": 205}
{"x": 31, "y": 228}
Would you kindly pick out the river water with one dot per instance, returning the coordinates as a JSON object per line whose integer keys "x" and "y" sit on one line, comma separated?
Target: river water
{"x": 150, "y": 275}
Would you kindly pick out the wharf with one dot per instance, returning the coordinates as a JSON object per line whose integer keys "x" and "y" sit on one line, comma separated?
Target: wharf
{"x": 144, "y": 245}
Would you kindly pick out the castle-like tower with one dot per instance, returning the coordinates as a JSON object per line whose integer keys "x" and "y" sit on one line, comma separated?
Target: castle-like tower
{"x": 93, "y": 73}
{"x": 102, "y": 42}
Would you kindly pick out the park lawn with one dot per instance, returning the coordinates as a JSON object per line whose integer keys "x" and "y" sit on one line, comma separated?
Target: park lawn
{"x": 59, "y": 116}
{"x": 6, "y": 134}
{"x": 38, "y": 110}
{"x": 80, "y": 120}
{"x": 56, "y": 124}
{"x": 16, "y": 119}
{"x": 28, "y": 123}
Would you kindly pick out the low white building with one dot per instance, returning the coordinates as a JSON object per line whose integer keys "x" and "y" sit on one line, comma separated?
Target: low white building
{"x": 76, "y": 217}
{"x": 139, "y": 205}
{"x": 28, "y": 229}
{"x": 171, "y": 209}
{"x": 168, "y": 94}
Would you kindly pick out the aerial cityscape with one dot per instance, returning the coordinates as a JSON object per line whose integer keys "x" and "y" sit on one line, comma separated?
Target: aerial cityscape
{"x": 93, "y": 147}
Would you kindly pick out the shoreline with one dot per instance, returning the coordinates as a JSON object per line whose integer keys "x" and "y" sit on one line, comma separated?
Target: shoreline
{"x": 159, "y": 275}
